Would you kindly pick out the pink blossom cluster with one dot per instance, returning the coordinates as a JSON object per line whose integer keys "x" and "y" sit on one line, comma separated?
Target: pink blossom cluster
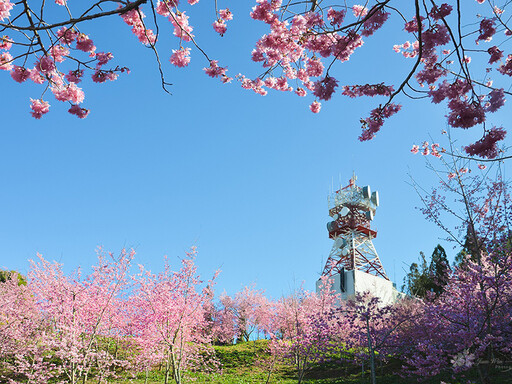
{"x": 374, "y": 22}
{"x": 134, "y": 19}
{"x": 373, "y": 123}
{"x": 39, "y": 108}
{"x": 6, "y": 61}
{"x": 336, "y": 17}
{"x": 487, "y": 30}
{"x": 427, "y": 149}
{"x": 298, "y": 47}
{"x": 440, "y": 12}
{"x": 506, "y": 68}
{"x": 359, "y": 11}
{"x": 5, "y": 43}
{"x": 367, "y": 90}
{"x": 181, "y": 57}
{"x": 69, "y": 93}
{"x": 495, "y": 53}
{"x": 487, "y": 146}
{"x": 164, "y": 8}
{"x": 45, "y": 71}
{"x": 219, "y": 25}
{"x": 182, "y": 29}
{"x": 409, "y": 50}
{"x": 315, "y": 107}
{"x": 325, "y": 87}
{"x": 215, "y": 71}
{"x": 5, "y": 9}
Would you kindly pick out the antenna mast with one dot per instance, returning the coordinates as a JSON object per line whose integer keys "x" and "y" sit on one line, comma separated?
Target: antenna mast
{"x": 352, "y": 209}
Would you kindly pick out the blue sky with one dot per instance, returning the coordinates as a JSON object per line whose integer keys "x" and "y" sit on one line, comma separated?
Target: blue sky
{"x": 244, "y": 178}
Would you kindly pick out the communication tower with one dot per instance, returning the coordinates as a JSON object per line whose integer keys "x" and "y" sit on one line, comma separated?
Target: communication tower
{"x": 353, "y": 263}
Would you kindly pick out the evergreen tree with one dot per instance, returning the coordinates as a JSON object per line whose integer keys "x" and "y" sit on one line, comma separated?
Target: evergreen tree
{"x": 425, "y": 279}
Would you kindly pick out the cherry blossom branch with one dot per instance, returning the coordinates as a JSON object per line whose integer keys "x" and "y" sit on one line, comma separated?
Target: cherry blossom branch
{"x": 80, "y": 19}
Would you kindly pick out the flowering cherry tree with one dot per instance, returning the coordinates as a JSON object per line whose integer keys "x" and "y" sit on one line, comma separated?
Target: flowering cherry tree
{"x": 80, "y": 311}
{"x": 239, "y": 316}
{"x": 456, "y": 50}
{"x": 304, "y": 327}
{"x": 171, "y": 317}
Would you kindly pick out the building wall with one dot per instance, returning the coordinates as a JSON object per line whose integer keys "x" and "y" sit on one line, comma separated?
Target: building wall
{"x": 360, "y": 282}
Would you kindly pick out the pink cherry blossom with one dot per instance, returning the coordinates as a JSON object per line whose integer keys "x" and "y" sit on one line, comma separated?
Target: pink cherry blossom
{"x": 58, "y": 53}
{"x": 39, "y": 108}
{"x": 181, "y": 27}
{"x": 439, "y": 12}
{"x": 495, "y": 53}
{"x": 506, "y": 68}
{"x": 482, "y": 166}
{"x": 164, "y": 8}
{"x": 487, "y": 30}
{"x": 325, "y": 88}
{"x": 45, "y": 65}
{"x": 101, "y": 76}
{"x": 372, "y": 124}
{"x": 5, "y": 8}
{"x": 67, "y": 36}
{"x": 315, "y": 106}
{"x": 36, "y": 76}
{"x": 60, "y": 2}
{"x": 225, "y": 14}
{"x": 75, "y": 76}
{"x": 84, "y": 43}
{"x": 181, "y": 57}
{"x": 374, "y": 22}
{"x": 103, "y": 58}
{"x": 5, "y": 43}
{"x": 20, "y": 74}
{"x": 336, "y": 17}
{"x": 359, "y": 11}
{"x": 70, "y": 93}
{"x": 220, "y": 27}
{"x": 134, "y": 19}
{"x": 415, "y": 149}
{"x": 6, "y": 61}
{"x": 78, "y": 111}
{"x": 487, "y": 145}
{"x": 214, "y": 70}
{"x": 314, "y": 68}
{"x": 301, "y": 92}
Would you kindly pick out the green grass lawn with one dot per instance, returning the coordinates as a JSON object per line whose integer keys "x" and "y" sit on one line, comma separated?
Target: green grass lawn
{"x": 248, "y": 363}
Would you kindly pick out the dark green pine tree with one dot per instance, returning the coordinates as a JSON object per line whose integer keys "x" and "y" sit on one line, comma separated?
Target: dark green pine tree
{"x": 425, "y": 279}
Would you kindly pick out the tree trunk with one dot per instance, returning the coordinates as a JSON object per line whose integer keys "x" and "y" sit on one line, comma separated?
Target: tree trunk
{"x": 372, "y": 353}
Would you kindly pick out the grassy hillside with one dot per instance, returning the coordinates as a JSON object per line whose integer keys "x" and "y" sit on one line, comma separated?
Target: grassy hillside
{"x": 249, "y": 363}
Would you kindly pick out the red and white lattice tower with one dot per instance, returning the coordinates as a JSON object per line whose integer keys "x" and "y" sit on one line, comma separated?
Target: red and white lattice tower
{"x": 353, "y": 264}
{"x": 352, "y": 209}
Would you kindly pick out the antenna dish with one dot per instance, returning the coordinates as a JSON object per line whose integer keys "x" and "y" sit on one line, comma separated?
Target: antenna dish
{"x": 366, "y": 192}
{"x": 369, "y": 215}
{"x": 339, "y": 243}
{"x": 344, "y": 252}
{"x": 335, "y": 217}
{"x": 344, "y": 211}
{"x": 375, "y": 198}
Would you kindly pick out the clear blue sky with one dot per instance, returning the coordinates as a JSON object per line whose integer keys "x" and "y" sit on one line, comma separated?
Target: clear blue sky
{"x": 245, "y": 178}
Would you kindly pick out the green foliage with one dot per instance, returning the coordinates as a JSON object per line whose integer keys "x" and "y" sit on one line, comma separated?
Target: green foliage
{"x": 427, "y": 278}
{"x": 8, "y": 275}
{"x": 248, "y": 363}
